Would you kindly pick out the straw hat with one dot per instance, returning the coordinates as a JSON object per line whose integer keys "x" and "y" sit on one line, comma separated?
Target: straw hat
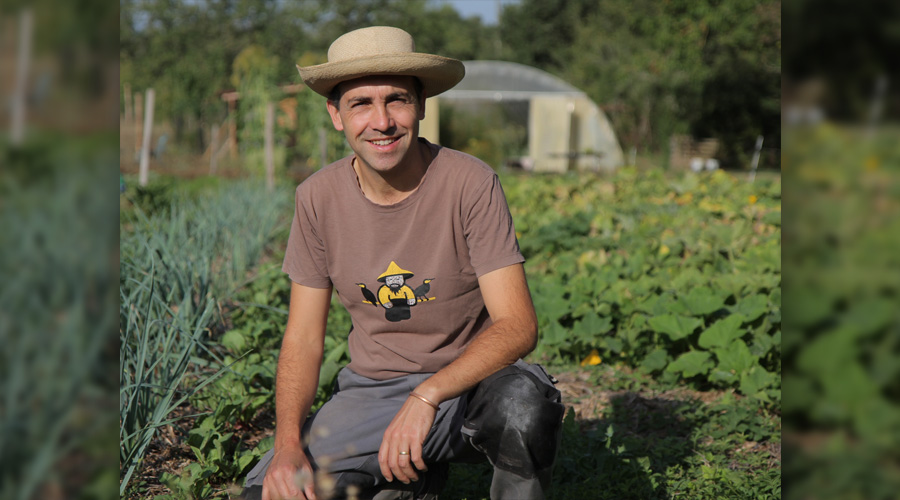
{"x": 393, "y": 270}
{"x": 381, "y": 50}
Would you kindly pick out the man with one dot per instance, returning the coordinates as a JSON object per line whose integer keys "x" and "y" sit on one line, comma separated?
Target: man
{"x": 444, "y": 382}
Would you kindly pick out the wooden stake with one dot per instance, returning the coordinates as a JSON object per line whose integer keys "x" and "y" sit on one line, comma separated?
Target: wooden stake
{"x": 138, "y": 122}
{"x": 144, "y": 175}
{"x": 213, "y": 151}
{"x": 128, "y": 119}
{"x": 232, "y": 129}
{"x": 755, "y": 161}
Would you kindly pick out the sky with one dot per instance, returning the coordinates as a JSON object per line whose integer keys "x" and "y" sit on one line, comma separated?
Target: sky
{"x": 485, "y": 9}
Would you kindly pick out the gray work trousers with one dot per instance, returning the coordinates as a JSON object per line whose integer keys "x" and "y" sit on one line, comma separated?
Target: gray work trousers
{"x": 513, "y": 419}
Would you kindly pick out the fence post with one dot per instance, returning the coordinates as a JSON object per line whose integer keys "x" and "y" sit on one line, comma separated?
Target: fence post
{"x": 138, "y": 122}
{"x": 270, "y": 145}
{"x": 144, "y": 175}
{"x": 213, "y": 150}
{"x": 755, "y": 161}
{"x": 232, "y": 129}
{"x": 128, "y": 120}
{"x": 26, "y": 21}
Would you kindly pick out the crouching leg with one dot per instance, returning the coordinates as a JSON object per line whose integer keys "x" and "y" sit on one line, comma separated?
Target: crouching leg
{"x": 514, "y": 418}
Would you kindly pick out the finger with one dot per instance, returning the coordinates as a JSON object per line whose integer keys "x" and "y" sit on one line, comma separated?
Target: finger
{"x": 303, "y": 480}
{"x": 265, "y": 494}
{"x": 399, "y": 475}
{"x": 393, "y": 460}
{"x": 415, "y": 455}
{"x": 310, "y": 492}
{"x": 406, "y": 472}
{"x": 286, "y": 488}
{"x": 383, "y": 462}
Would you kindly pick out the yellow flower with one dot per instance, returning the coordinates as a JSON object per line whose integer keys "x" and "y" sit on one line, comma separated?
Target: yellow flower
{"x": 592, "y": 359}
{"x": 664, "y": 250}
{"x": 872, "y": 163}
{"x": 752, "y": 199}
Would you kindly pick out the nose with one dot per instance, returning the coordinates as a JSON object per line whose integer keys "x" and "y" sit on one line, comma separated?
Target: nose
{"x": 382, "y": 120}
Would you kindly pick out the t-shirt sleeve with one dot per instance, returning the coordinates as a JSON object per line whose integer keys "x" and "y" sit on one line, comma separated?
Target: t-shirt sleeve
{"x": 490, "y": 234}
{"x": 304, "y": 257}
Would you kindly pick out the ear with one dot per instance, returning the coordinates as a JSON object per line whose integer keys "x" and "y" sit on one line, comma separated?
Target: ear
{"x": 422, "y": 105}
{"x": 335, "y": 115}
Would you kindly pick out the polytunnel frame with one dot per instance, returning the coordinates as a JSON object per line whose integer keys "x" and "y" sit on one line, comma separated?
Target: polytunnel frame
{"x": 566, "y": 129}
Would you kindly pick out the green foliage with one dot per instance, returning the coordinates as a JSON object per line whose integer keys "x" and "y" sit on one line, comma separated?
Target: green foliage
{"x": 707, "y": 68}
{"x": 677, "y": 274}
{"x": 177, "y": 265}
{"x": 488, "y": 133}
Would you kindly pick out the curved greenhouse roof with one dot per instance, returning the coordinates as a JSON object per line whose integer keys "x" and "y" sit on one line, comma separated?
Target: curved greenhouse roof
{"x": 511, "y": 80}
{"x": 566, "y": 129}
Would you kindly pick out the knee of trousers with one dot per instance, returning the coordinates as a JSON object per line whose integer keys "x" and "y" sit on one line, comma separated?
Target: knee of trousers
{"x": 515, "y": 418}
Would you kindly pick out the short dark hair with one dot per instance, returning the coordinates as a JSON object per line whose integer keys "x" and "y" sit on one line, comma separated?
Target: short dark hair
{"x": 335, "y": 95}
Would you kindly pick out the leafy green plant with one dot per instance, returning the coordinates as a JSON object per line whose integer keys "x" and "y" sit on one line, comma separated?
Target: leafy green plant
{"x": 178, "y": 265}
{"x": 676, "y": 273}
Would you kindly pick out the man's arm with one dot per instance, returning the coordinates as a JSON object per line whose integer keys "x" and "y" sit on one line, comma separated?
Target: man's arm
{"x": 512, "y": 335}
{"x": 295, "y": 389}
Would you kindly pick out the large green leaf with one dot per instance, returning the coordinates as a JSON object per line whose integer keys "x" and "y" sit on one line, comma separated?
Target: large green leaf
{"x": 756, "y": 379}
{"x": 722, "y": 332}
{"x": 829, "y": 351}
{"x": 691, "y": 363}
{"x": 658, "y": 305}
{"x": 871, "y": 315}
{"x": 592, "y": 325}
{"x": 735, "y": 358}
{"x": 702, "y": 300}
{"x": 554, "y": 334}
{"x": 751, "y": 307}
{"x": 675, "y": 326}
{"x": 656, "y": 360}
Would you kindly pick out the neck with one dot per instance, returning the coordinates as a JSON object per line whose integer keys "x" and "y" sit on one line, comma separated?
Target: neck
{"x": 388, "y": 188}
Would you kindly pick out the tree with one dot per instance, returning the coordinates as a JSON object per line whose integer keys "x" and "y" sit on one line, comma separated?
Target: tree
{"x": 707, "y": 67}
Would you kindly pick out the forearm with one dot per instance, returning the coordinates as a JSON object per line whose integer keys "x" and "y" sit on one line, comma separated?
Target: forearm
{"x": 296, "y": 383}
{"x": 501, "y": 345}
{"x": 512, "y": 336}
{"x": 297, "y": 378}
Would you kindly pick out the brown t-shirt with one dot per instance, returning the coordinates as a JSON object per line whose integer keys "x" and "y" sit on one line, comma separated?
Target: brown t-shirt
{"x": 407, "y": 273}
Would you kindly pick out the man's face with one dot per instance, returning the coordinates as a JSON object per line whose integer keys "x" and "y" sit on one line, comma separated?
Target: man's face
{"x": 380, "y": 116}
{"x": 394, "y": 282}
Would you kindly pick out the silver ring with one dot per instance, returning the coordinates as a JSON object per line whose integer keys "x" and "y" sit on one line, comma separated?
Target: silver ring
{"x": 404, "y": 453}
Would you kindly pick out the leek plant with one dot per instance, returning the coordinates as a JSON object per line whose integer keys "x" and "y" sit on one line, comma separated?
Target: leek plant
{"x": 178, "y": 267}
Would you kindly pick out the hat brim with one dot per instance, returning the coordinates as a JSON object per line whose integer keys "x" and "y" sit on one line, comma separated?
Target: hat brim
{"x": 437, "y": 73}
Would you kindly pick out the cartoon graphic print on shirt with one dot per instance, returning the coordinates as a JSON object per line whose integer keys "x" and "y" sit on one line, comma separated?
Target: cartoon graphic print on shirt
{"x": 394, "y": 295}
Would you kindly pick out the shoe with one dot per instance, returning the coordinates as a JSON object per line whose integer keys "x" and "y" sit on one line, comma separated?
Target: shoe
{"x": 428, "y": 487}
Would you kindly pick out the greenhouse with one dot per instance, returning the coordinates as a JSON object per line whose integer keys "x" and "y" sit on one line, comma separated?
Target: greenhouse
{"x": 565, "y": 129}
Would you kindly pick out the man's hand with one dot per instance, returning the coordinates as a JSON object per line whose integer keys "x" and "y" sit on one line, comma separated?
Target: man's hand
{"x": 281, "y": 482}
{"x": 406, "y": 433}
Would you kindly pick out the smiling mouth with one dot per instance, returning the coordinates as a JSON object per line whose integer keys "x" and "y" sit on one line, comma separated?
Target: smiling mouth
{"x": 384, "y": 142}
